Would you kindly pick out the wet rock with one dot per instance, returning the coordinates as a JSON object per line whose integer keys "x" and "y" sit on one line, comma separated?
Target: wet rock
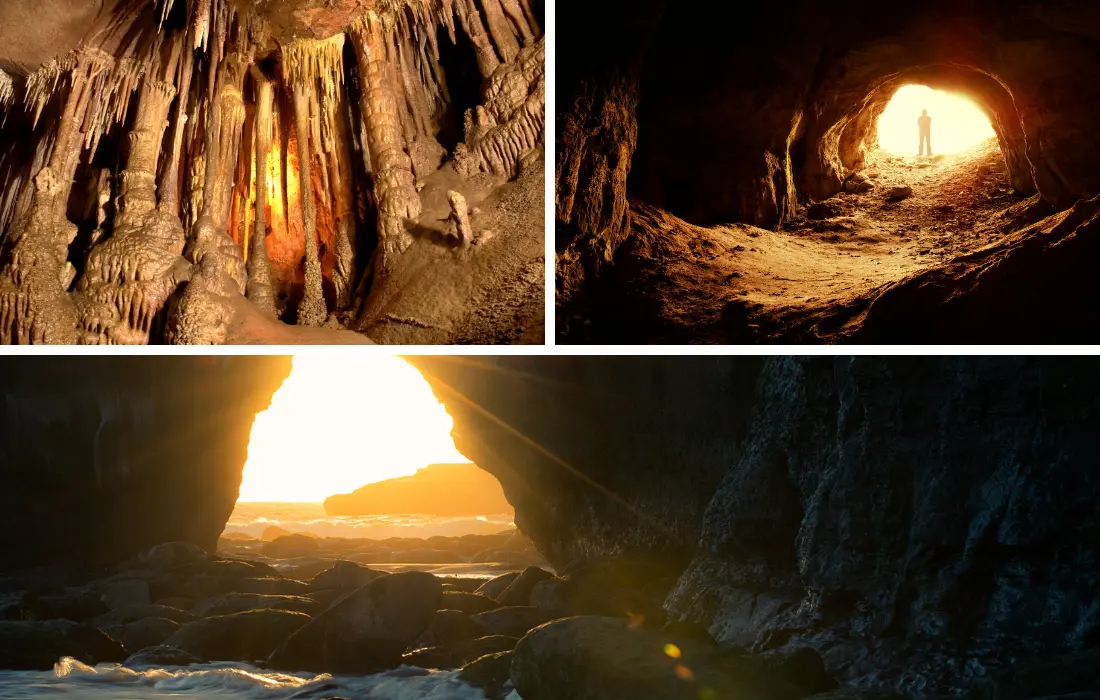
{"x": 469, "y": 603}
{"x": 459, "y": 654}
{"x": 802, "y": 667}
{"x": 518, "y": 591}
{"x": 272, "y": 533}
{"x": 168, "y": 555}
{"x": 367, "y": 630}
{"x": 124, "y": 593}
{"x": 160, "y": 656}
{"x": 681, "y": 631}
{"x": 586, "y": 596}
{"x": 244, "y": 636}
{"x": 272, "y": 586}
{"x": 214, "y": 577}
{"x": 497, "y": 585}
{"x": 1064, "y": 675}
{"x": 344, "y": 576}
{"x": 896, "y": 194}
{"x": 239, "y": 602}
{"x": 147, "y": 632}
{"x": 590, "y": 658}
{"x": 448, "y": 627}
{"x": 177, "y": 602}
{"x": 462, "y": 584}
{"x": 296, "y": 545}
{"x": 326, "y": 596}
{"x": 26, "y": 645}
{"x": 513, "y": 621}
{"x": 490, "y": 673}
{"x": 77, "y": 607}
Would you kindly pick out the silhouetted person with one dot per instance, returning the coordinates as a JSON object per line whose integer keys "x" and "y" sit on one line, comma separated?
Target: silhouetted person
{"x": 925, "y": 123}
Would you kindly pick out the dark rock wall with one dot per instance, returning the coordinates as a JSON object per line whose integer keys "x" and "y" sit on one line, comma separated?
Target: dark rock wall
{"x": 101, "y": 457}
{"x": 917, "y": 520}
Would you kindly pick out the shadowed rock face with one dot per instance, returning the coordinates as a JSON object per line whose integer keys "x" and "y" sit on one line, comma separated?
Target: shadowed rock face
{"x": 105, "y": 456}
{"x": 917, "y": 520}
{"x": 718, "y": 117}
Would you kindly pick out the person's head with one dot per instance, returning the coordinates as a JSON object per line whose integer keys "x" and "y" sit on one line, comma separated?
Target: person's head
{"x": 924, "y": 112}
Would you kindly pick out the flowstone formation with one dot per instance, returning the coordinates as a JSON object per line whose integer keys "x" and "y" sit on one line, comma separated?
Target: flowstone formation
{"x": 717, "y": 180}
{"x": 215, "y": 171}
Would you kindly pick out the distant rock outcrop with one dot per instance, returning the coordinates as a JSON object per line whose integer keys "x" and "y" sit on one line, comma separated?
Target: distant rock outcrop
{"x": 438, "y": 489}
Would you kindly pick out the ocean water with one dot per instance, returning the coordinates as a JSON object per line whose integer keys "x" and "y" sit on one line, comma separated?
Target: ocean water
{"x": 253, "y": 518}
{"x": 73, "y": 680}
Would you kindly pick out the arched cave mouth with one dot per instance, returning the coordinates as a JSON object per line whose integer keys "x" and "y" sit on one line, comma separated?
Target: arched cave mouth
{"x": 311, "y": 165}
{"x": 332, "y": 477}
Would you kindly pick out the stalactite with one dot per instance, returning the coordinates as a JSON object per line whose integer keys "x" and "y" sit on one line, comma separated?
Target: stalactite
{"x": 169, "y": 187}
{"x": 344, "y": 271}
{"x": 311, "y": 310}
{"x": 259, "y": 289}
{"x": 7, "y": 90}
{"x": 519, "y": 12}
{"x": 487, "y": 61}
{"x": 34, "y": 304}
{"x": 499, "y": 28}
{"x": 128, "y": 278}
{"x": 392, "y": 169}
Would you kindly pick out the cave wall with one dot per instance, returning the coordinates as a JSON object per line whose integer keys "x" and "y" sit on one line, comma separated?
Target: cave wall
{"x": 919, "y": 521}
{"x": 104, "y": 456}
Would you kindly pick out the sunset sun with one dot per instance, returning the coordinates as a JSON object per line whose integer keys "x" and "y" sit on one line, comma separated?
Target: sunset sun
{"x": 338, "y": 423}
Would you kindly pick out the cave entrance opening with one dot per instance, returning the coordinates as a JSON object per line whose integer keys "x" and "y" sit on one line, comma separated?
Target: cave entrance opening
{"x": 956, "y": 124}
{"x": 354, "y": 460}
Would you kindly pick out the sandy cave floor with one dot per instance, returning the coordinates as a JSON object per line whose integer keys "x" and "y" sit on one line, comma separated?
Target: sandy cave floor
{"x": 828, "y": 263}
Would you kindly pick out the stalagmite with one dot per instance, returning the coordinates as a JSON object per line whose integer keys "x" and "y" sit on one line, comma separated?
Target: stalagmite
{"x": 34, "y": 304}
{"x": 344, "y": 271}
{"x": 306, "y": 65}
{"x": 510, "y": 125}
{"x": 460, "y": 216}
{"x": 259, "y": 289}
{"x": 311, "y": 310}
{"x": 487, "y": 61}
{"x": 390, "y": 164}
{"x": 129, "y": 277}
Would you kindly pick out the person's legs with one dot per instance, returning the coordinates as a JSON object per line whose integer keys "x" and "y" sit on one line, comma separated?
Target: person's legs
{"x": 920, "y": 149}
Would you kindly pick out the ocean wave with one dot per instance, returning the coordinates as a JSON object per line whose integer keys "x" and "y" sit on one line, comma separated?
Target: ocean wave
{"x": 253, "y": 518}
{"x": 77, "y": 681}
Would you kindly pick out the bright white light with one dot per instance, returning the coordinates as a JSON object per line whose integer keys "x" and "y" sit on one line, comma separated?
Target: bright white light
{"x": 957, "y": 123}
{"x": 338, "y": 423}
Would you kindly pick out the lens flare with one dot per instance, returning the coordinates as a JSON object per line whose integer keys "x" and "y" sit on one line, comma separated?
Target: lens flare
{"x": 957, "y": 123}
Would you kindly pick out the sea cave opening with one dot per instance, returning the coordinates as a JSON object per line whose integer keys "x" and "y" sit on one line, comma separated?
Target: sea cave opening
{"x": 331, "y": 476}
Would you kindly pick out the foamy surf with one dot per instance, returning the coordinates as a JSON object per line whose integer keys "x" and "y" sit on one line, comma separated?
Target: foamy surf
{"x": 254, "y": 518}
{"x": 76, "y": 681}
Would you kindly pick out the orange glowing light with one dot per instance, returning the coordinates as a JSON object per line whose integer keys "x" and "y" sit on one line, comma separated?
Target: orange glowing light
{"x": 672, "y": 651}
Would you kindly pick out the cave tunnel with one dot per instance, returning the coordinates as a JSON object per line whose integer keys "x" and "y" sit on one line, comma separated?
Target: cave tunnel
{"x": 722, "y": 181}
{"x": 306, "y": 153}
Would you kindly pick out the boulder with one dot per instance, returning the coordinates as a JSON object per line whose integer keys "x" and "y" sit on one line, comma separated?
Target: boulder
{"x": 147, "y": 632}
{"x": 160, "y": 656}
{"x": 204, "y": 579}
{"x": 365, "y": 631}
{"x": 272, "y": 586}
{"x": 1061, "y": 675}
{"x": 490, "y": 673}
{"x": 518, "y": 591}
{"x": 167, "y": 555}
{"x": 896, "y": 194}
{"x": 513, "y": 621}
{"x": 801, "y": 666}
{"x": 469, "y": 603}
{"x": 344, "y": 576}
{"x": 824, "y": 210}
{"x": 125, "y": 592}
{"x": 243, "y": 636}
{"x": 287, "y": 546}
{"x": 133, "y": 613}
{"x": 459, "y": 654}
{"x": 603, "y": 658}
{"x": 447, "y": 627}
{"x": 497, "y": 585}
{"x": 239, "y": 602}
{"x": 177, "y": 602}
{"x": 77, "y": 607}
{"x": 465, "y": 584}
{"x": 36, "y": 646}
{"x": 273, "y": 532}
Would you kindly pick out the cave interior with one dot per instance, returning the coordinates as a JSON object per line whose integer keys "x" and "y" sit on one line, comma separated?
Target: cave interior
{"x": 215, "y": 171}
{"x": 720, "y": 181}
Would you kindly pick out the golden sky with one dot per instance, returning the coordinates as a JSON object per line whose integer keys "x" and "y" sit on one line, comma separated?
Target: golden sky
{"x": 338, "y": 423}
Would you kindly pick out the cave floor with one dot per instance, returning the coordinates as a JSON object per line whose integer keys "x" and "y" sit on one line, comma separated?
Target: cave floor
{"x": 811, "y": 280}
